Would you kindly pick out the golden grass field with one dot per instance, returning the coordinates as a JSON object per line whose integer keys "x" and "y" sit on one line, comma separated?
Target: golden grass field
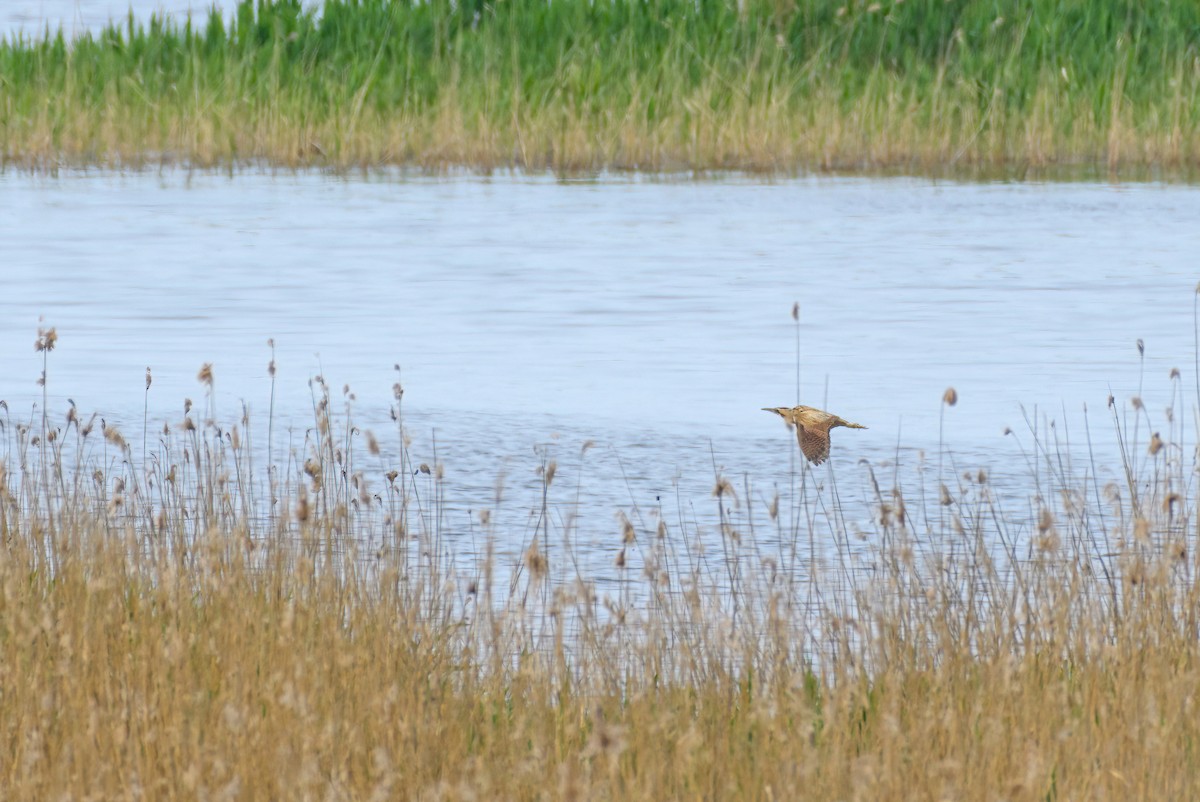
{"x": 190, "y": 624}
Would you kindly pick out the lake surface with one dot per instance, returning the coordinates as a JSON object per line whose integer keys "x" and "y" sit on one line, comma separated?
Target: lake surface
{"x": 529, "y": 316}
{"x": 605, "y": 303}
{"x": 31, "y": 17}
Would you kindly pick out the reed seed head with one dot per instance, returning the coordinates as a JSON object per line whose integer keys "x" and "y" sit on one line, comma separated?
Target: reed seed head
{"x": 206, "y": 374}
{"x": 628, "y": 533}
{"x": 536, "y": 562}
{"x": 1156, "y": 444}
{"x": 148, "y": 377}
{"x": 313, "y": 469}
{"x": 1141, "y": 530}
{"x": 723, "y": 488}
{"x": 113, "y": 435}
{"x": 950, "y": 397}
{"x": 46, "y": 339}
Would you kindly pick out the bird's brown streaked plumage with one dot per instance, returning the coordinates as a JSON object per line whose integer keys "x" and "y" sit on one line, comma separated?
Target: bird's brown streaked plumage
{"x": 812, "y": 429}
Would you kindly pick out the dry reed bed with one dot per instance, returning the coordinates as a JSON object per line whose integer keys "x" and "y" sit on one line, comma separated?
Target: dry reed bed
{"x": 653, "y": 85}
{"x": 193, "y": 624}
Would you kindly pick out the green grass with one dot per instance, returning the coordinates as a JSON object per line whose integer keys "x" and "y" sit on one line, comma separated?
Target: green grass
{"x": 920, "y": 85}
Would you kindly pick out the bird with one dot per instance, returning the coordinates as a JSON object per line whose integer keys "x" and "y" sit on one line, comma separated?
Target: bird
{"x": 812, "y": 429}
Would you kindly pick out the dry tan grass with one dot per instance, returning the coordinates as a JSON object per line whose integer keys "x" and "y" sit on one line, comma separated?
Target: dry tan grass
{"x": 883, "y": 131}
{"x": 168, "y": 632}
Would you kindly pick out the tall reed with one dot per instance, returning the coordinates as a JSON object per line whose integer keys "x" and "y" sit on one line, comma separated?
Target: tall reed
{"x": 759, "y": 85}
{"x": 192, "y": 625}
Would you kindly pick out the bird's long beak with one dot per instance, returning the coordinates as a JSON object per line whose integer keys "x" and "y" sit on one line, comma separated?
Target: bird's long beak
{"x": 772, "y": 409}
{"x": 855, "y": 426}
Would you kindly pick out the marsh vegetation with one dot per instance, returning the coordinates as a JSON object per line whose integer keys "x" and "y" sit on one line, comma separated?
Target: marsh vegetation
{"x": 199, "y": 610}
{"x": 921, "y": 86}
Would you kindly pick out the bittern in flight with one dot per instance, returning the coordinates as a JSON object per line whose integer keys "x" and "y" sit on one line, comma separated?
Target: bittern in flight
{"x": 812, "y": 429}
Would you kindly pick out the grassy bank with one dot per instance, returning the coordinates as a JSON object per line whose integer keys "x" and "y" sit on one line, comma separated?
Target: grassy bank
{"x": 765, "y": 85}
{"x": 185, "y": 621}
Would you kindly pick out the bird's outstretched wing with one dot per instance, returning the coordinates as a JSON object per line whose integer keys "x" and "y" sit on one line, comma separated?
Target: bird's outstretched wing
{"x": 814, "y": 443}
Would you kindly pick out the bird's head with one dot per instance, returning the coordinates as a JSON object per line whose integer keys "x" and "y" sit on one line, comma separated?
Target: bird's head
{"x": 787, "y": 413}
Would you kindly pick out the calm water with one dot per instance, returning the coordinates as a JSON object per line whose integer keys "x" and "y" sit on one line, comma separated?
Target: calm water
{"x": 653, "y": 318}
{"x": 32, "y": 17}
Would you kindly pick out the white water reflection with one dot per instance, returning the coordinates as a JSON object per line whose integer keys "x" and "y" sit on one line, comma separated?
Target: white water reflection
{"x": 651, "y": 317}
{"x": 657, "y": 304}
{"x": 31, "y": 18}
